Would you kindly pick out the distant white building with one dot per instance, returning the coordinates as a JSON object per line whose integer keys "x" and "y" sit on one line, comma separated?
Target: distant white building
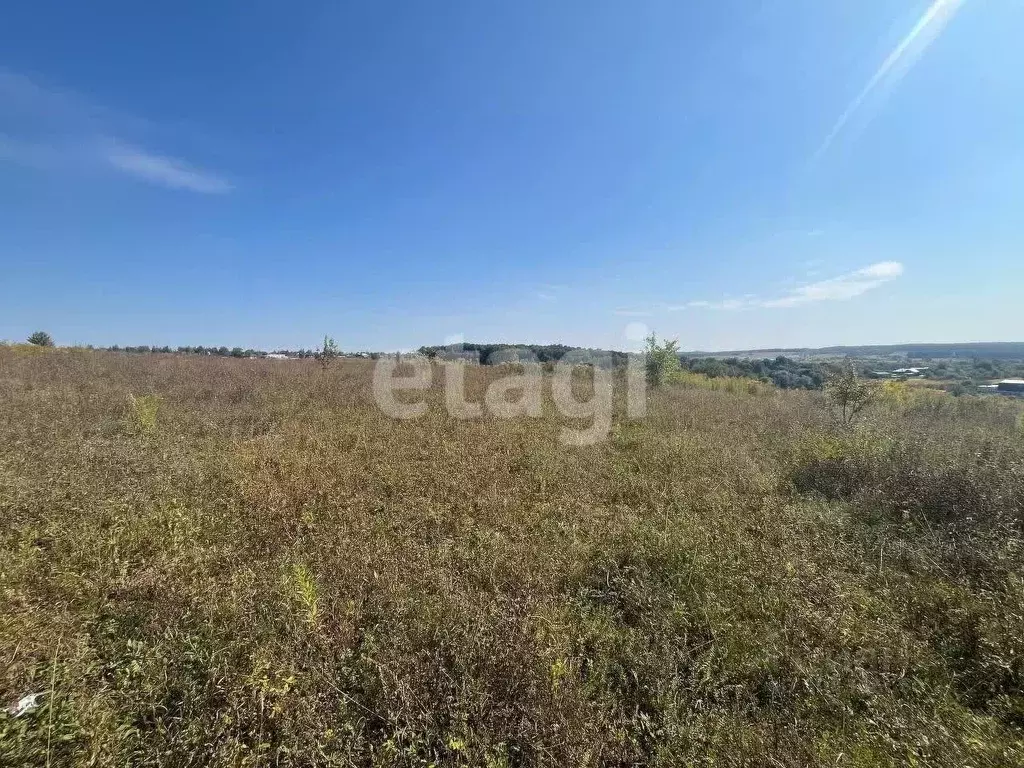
{"x": 276, "y": 356}
{"x": 900, "y": 373}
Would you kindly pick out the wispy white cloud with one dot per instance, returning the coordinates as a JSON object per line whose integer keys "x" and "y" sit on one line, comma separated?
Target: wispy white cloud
{"x": 898, "y": 62}
{"x": 166, "y": 171}
{"x": 548, "y": 291}
{"x": 57, "y": 131}
{"x": 842, "y": 288}
{"x": 633, "y": 313}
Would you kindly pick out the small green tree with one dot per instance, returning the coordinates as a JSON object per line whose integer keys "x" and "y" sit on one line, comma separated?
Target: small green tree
{"x": 41, "y": 339}
{"x": 662, "y": 360}
{"x": 328, "y": 353}
{"x": 847, "y": 396}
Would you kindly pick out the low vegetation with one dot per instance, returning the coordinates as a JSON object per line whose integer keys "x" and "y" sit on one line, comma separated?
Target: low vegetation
{"x": 239, "y": 562}
{"x": 958, "y": 368}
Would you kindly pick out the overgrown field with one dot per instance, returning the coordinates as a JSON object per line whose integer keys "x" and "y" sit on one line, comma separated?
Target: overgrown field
{"x": 244, "y": 562}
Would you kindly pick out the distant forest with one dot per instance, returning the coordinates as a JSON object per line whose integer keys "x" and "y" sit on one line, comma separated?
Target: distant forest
{"x": 960, "y": 367}
{"x": 491, "y": 354}
{"x": 782, "y": 371}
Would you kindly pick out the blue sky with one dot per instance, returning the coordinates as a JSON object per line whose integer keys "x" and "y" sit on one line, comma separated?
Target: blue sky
{"x": 736, "y": 174}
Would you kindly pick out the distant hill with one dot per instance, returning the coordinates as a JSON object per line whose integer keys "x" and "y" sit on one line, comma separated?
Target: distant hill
{"x": 998, "y": 350}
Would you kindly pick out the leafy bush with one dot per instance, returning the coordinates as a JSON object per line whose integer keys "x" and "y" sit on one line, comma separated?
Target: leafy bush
{"x": 661, "y": 360}
{"x": 41, "y": 339}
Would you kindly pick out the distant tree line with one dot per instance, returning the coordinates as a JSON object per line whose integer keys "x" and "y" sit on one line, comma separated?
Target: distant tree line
{"x": 960, "y": 373}
{"x": 976, "y": 370}
{"x": 490, "y": 354}
{"x": 783, "y": 372}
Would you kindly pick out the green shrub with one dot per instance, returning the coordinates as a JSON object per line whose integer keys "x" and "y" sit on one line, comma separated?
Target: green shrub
{"x": 41, "y": 339}
{"x": 662, "y": 360}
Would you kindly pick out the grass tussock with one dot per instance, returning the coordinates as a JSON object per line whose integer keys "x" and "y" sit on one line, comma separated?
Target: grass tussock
{"x": 242, "y": 562}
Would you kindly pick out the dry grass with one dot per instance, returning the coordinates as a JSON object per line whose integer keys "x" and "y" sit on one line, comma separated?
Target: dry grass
{"x": 241, "y": 562}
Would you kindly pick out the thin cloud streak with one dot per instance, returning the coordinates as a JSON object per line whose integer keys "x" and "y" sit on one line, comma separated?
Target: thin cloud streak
{"x": 165, "y": 171}
{"x": 548, "y": 291}
{"x": 57, "y": 131}
{"x": 906, "y": 53}
{"x": 842, "y": 288}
